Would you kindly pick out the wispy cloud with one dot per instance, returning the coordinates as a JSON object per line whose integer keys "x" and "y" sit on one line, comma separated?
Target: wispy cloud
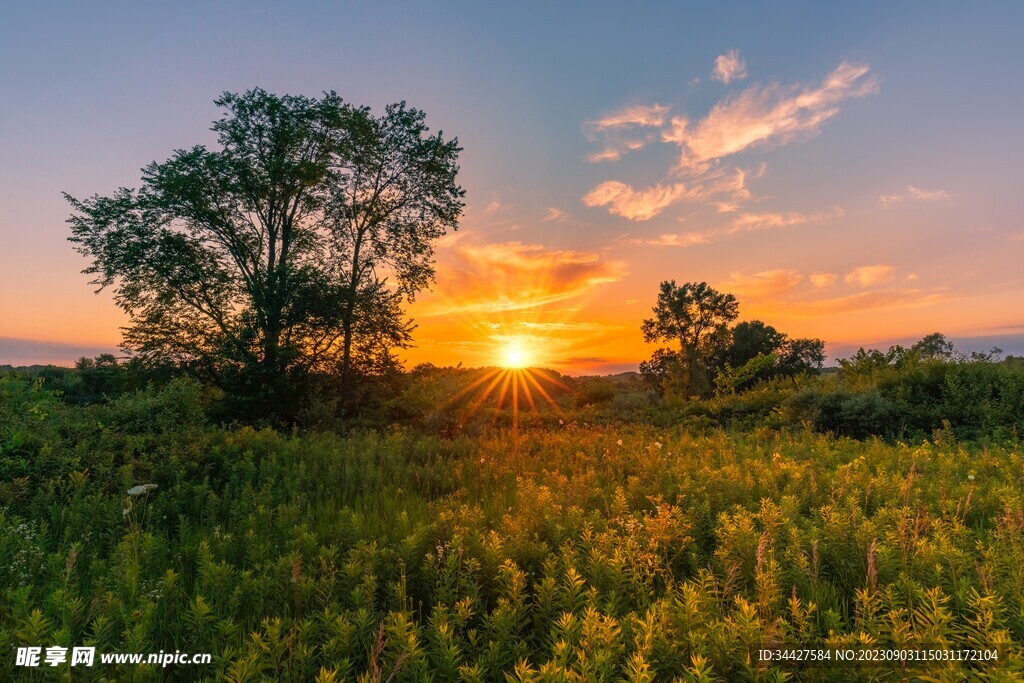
{"x": 913, "y": 193}
{"x": 641, "y": 115}
{"x": 765, "y": 115}
{"x": 493, "y": 207}
{"x": 636, "y": 205}
{"x": 822, "y": 280}
{"x": 760, "y": 116}
{"x": 744, "y": 222}
{"x": 870, "y": 300}
{"x": 670, "y": 239}
{"x": 788, "y": 291}
{"x": 512, "y": 276}
{"x": 765, "y": 284}
{"x": 554, "y": 215}
{"x": 729, "y": 67}
{"x": 625, "y": 130}
{"x": 566, "y": 326}
{"x": 766, "y": 221}
{"x": 869, "y": 276}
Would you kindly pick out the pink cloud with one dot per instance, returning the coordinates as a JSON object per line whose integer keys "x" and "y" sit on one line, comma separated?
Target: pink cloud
{"x": 822, "y": 280}
{"x": 764, "y": 115}
{"x": 868, "y": 276}
{"x": 729, "y": 67}
{"x": 768, "y": 284}
{"x": 621, "y": 130}
{"x": 636, "y": 205}
{"x": 756, "y": 117}
{"x": 913, "y": 193}
{"x": 746, "y": 222}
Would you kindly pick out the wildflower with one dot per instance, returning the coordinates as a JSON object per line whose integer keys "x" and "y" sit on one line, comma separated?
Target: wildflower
{"x": 971, "y": 477}
{"x": 619, "y": 442}
{"x": 141, "y": 489}
{"x": 657, "y": 444}
{"x": 561, "y": 422}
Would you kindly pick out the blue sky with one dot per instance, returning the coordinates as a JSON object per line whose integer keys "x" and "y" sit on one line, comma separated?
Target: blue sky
{"x": 887, "y": 208}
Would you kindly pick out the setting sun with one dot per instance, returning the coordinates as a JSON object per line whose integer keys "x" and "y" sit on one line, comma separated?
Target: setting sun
{"x": 514, "y": 354}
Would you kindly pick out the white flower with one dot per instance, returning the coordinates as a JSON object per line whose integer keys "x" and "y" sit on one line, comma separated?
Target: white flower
{"x": 657, "y": 444}
{"x": 140, "y": 489}
{"x": 561, "y": 422}
{"x": 971, "y": 477}
{"x": 619, "y": 442}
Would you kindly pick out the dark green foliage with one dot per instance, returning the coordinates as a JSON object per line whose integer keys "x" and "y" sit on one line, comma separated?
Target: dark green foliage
{"x": 261, "y": 262}
{"x": 756, "y": 352}
{"x": 695, "y": 317}
{"x": 571, "y": 553}
{"x": 595, "y": 392}
{"x": 859, "y": 413}
{"x": 713, "y": 355}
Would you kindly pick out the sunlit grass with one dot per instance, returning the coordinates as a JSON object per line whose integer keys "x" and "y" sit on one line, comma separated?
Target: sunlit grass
{"x": 574, "y": 552}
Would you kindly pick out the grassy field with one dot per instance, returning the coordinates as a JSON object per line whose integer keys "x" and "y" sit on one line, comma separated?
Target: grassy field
{"x": 572, "y": 552}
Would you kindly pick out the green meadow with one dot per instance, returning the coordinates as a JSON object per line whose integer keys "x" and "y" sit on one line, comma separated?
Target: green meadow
{"x": 571, "y": 546}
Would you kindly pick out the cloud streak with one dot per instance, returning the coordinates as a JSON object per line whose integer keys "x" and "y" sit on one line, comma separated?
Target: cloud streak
{"x": 744, "y": 222}
{"x": 635, "y": 205}
{"x": 914, "y": 194}
{"x": 512, "y": 276}
{"x": 765, "y": 284}
{"x": 789, "y": 291}
{"x": 729, "y": 67}
{"x": 767, "y": 115}
{"x": 758, "y": 117}
{"x": 624, "y": 130}
{"x": 869, "y": 276}
{"x": 554, "y": 215}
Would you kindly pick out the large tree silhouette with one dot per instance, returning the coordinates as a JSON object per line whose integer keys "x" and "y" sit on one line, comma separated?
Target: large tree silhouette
{"x": 289, "y": 248}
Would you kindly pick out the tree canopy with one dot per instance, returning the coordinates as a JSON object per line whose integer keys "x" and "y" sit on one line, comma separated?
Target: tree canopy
{"x": 696, "y": 317}
{"x": 289, "y": 248}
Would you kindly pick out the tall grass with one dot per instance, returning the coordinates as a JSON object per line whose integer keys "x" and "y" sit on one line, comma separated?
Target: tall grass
{"x": 571, "y": 554}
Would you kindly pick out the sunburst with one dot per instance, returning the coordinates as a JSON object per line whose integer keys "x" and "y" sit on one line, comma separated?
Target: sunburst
{"x": 510, "y": 386}
{"x": 515, "y": 355}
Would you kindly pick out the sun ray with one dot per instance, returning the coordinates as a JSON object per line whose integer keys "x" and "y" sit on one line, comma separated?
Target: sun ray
{"x": 545, "y": 394}
{"x": 469, "y": 387}
{"x": 553, "y": 380}
{"x": 501, "y": 397}
{"x": 526, "y": 389}
{"x": 483, "y": 397}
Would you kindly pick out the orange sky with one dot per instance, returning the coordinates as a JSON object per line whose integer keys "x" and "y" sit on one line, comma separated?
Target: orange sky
{"x": 849, "y": 173}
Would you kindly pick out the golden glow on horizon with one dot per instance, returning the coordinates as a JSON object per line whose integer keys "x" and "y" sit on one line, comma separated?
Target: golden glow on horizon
{"x": 515, "y": 355}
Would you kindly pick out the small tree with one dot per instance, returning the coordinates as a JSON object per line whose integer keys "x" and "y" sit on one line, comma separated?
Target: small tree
{"x": 750, "y": 339}
{"x": 696, "y": 317}
{"x": 754, "y": 339}
{"x": 934, "y": 346}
